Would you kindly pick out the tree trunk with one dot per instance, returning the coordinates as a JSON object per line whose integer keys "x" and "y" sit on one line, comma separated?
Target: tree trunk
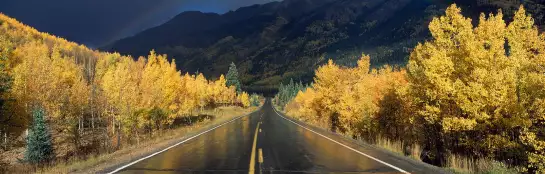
{"x": 137, "y": 137}
{"x": 75, "y": 131}
{"x": 92, "y": 118}
{"x": 441, "y": 149}
{"x": 5, "y": 140}
{"x": 79, "y": 124}
{"x": 118, "y": 135}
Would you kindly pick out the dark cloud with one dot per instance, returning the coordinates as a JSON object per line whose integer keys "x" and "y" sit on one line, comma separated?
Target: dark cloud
{"x": 97, "y": 22}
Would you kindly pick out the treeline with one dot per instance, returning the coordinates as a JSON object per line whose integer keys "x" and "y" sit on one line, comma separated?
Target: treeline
{"x": 287, "y": 92}
{"x": 81, "y": 92}
{"x": 477, "y": 91}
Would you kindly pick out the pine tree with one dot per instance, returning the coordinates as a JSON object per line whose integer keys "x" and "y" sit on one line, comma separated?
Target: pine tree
{"x": 232, "y": 78}
{"x": 39, "y": 148}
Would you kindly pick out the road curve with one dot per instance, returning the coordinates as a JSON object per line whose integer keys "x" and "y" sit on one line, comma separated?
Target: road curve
{"x": 282, "y": 145}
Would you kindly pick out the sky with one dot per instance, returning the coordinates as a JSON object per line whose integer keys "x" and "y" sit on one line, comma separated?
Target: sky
{"x": 99, "y": 22}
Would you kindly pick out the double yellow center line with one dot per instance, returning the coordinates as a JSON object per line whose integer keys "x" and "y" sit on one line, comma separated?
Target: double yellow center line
{"x": 252, "y": 157}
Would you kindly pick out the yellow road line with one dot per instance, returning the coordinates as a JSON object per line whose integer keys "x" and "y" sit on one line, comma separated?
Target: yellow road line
{"x": 252, "y": 157}
{"x": 260, "y": 156}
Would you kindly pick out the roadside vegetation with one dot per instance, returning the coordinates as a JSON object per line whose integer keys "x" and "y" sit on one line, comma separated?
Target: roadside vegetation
{"x": 97, "y": 163}
{"x": 471, "y": 99}
{"x": 60, "y": 101}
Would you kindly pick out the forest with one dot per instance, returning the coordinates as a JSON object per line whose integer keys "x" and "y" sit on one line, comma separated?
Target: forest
{"x": 472, "y": 91}
{"x": 57, "y": 93}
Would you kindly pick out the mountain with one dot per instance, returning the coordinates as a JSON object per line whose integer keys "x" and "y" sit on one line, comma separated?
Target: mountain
{"x": 274, "y": 42}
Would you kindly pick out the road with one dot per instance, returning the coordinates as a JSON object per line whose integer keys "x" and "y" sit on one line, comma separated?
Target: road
{"x": 279, "y": 145}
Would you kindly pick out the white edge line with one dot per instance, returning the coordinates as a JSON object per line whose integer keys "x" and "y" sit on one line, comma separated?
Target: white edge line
{"x": 181, "y": 142}
{"x": 373, "y": 158}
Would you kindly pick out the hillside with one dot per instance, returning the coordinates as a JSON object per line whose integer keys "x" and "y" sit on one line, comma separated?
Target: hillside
{"x": 281, "y": 40}
{"x": 79, "y": 94}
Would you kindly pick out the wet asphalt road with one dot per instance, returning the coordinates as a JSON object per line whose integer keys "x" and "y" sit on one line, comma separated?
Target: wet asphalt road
{"x": 285, "y": 147}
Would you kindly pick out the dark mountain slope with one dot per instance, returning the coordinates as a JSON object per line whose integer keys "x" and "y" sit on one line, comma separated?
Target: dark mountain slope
{"x": 281, "y": 40}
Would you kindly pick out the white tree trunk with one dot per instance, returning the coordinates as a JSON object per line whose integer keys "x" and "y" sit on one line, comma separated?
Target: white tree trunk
{"x": 79, "y": 124}
{"x": 92, "y": 118}
{"x": 5, "y": 140}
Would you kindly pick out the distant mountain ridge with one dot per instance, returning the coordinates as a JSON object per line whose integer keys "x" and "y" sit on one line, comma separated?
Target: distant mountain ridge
{"x": 274, "y": 42}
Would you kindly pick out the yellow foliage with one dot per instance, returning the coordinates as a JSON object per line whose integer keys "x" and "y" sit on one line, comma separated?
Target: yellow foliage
{"x": 244, "y": 99}
{"x": 469, "y": 86}
{"x": 220, "y": 93}
{"x": 348, "y": 97}
{"x": 75, "y": 84}
{"x": 473, "y": 90}
{"x": 46, "y": 79}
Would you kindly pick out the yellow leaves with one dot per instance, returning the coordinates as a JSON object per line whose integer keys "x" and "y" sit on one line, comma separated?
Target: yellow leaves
{"x": 46, "y": 78}
{"x": 161, "y": 86}
{"x": 527, "y": 48}
{"x": 349, "y": 95}
{"x": 453, "y": 29}
{"x": 154, "y": 86}
{"x": 536, "y": 157}
{"x": 458, "y": 124}
{"x": 220, "y": 93}
{"x": 306, "y": 101}
{"x": 490, "y": 77}
{"x": 364, "y": 64}
{"x": 244, "y": 99}
{"x": 121, "y": 87}
{"x": 76, "y": 85}
{"x": 152, "y": 92}
{"x": 470, "y": 89}
{"x": 463, "y": 67}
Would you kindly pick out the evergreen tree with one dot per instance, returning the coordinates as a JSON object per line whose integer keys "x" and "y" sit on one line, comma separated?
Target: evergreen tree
{"x": 232, "y": 77}
{"x": 254, "y": 100}
{"x": 39, "y": 143}
{"x": 286, "y": 93}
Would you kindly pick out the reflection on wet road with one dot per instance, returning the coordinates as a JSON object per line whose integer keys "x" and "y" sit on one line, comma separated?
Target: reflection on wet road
{"x": 225, "y": 149}
{"x": 281, "y": 147}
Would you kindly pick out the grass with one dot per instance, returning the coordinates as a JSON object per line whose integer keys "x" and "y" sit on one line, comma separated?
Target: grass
{"x": 393, "y": 146}
{"x": 97, "y": 163}
{"x": 456, "y": 163}
{"x": 464, "y": 165}
{"x": 398, "y": 147}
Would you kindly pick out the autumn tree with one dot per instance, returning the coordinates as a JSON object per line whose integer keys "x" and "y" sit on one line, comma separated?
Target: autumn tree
{"x": 121, "y": 88}
{"x": 527, "y": 49}
{"x": 5, "y": 78}
{"x": 460, "y": 77}
{"x": 244, "y": 99}
{"x": 80, "y": 88}
{"x": 348, "y": 97}
{"x": 161, "y": 87}
{"x": 475, "y": 90}
{"x": 5, "y": 85}
{"x": 219, "y": 92}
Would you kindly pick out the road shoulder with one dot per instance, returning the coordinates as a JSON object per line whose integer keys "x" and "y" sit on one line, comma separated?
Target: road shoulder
{"x": 403, "y": 162}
